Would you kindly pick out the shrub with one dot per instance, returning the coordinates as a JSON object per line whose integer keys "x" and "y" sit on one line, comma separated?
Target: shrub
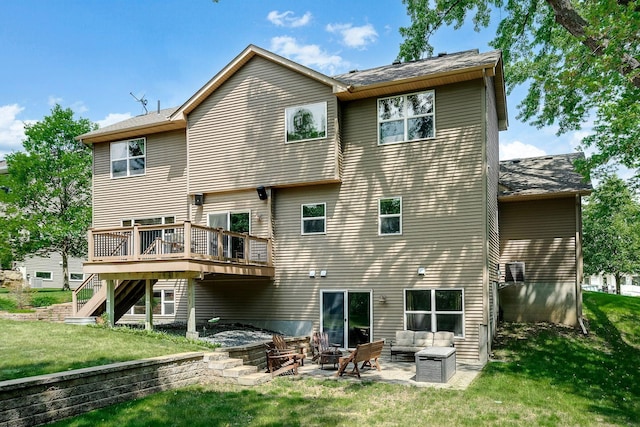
{"x": 7, "y": 304}
{"x": 42, "y": 300}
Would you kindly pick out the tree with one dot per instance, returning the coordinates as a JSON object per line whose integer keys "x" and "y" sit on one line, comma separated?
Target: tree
{"x": 48, "y": 203}
{"x": 611, "y": 227}
{"x": 581, "y": 59}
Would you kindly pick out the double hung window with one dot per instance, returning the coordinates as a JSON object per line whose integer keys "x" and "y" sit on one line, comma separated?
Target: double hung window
{"x": 408, "y": 117}
{"x": 314, "y": 218}
{"x": 434, "y": 310}
{"x": 390, "y": 216}
{"x": 128, "y": 158}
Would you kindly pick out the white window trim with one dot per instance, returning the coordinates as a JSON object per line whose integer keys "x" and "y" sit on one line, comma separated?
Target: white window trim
{"x": 433, "y": 313}
{"x": 131, "y": 311}
{"x": 380, "y": 216}
{"x": 50, "y": 279}
{"x": 162, "y": 217}
{"x": 76, "y": 280}
{"x": 286, "y": 123}
{"x": 405, "y": 118}
{"x": 128, "y": 175}
{"x": 302, "y": 219}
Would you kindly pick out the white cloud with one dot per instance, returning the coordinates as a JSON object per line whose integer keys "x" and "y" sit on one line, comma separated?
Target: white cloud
{"x": 354, "y": 37}
{"x": 519, "y": 150}
{"x": 113, "y": 118}
{"x": 11, "y": 129}
{"x": 310, "y": 55}
{"x": 53, "y": 100}
{"x": 288, "y": 19}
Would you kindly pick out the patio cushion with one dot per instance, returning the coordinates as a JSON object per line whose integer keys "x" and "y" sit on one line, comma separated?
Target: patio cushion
{"x": 443, "y": 339}
{"x": 423, "y": 339}
{"x": 404, "y": 338}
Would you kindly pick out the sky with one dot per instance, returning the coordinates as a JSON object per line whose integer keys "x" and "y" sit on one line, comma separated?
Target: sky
{"x": 97, "y": 56}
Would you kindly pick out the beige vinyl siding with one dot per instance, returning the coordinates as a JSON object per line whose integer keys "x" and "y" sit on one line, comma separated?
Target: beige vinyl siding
{"x": 237, "y": 135}
{"x": 162, "y": 191}
{"x": 540, "y": 233}
{"x": 240, "y": 201}
{"x": 441, "y": 185}
{"x": 493, "y": 239}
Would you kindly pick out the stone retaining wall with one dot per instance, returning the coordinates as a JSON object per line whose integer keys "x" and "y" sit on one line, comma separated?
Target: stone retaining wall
{"x": 255, "y": 354}
{"x": 53, "y": 313}
{"x": 47, "y": 398}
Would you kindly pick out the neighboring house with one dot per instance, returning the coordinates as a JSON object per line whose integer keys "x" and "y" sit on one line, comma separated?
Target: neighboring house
{"x": 541, "y": 225}
{"x": 46, "y": 271}
{"x": 630, "y": 285}
{"x": 359, "y": 204}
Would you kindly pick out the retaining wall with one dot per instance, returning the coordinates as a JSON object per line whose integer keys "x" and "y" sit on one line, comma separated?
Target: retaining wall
{"x": 255, "y": 354}
{"x": 46, "y": 398}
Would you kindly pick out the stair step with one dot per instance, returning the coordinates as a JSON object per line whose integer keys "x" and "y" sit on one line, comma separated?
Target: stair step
{"x": 239, "y": 371}
{"x": 254, "y": 379}
{"x": 220, "y": 365}
{"x": 216, "y": 355}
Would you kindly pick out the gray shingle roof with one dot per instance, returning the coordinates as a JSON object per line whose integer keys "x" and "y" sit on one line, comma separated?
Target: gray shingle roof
{"x": 407, "y": 70}
{"x": 149, "y": 119}
{"x": 546, "y": 175}
{"x": 3, "y": 166}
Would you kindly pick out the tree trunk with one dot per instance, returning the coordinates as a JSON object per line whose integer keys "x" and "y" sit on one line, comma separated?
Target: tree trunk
{"x": 618, "y": 277}
{"x": 65, "y": 271}
{"x": 576, "y": 25}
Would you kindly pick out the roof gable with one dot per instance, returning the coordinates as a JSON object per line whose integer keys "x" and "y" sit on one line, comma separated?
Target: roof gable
{"x": 238, "y": 63}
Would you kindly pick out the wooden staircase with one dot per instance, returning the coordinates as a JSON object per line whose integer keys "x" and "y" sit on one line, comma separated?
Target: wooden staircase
{"x": 127, "y": 293}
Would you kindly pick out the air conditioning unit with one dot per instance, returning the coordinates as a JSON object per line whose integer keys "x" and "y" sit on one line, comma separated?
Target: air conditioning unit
{"x": 514, "y": 272}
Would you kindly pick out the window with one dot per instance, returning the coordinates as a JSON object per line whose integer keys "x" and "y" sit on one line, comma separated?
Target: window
{"x": 128, "y": 158}
{"x": 149, "y": 221}
{"x": 314, "y": 218}
{"x": 434, "y": 310}
{"x": 76, "y": 277}
{"x": 163, "y": 303}
{"x": 306, "y": 122}
{"x": 406, "y": 117}
{"x": 44, "y": 275}
{"x": 390, "y": 216}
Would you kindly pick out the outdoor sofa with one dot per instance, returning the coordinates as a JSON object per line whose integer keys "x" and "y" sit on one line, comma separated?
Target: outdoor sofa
{"x": 411, "y": 342}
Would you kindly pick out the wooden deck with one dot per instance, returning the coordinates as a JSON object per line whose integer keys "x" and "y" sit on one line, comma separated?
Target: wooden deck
{"x": 170, "y": 251}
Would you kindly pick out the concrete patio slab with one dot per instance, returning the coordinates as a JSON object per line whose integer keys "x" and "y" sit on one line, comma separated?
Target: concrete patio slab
{"x": 395, "y": 372}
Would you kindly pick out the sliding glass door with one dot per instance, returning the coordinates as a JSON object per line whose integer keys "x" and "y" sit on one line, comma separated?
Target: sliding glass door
{"x": 346, "y": 317}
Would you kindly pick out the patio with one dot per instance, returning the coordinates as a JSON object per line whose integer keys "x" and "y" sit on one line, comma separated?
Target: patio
{"x": 396, "y": 372}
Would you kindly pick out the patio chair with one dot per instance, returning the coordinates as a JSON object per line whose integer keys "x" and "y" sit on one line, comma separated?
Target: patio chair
{"x": 280, "y": 344}
{"x": 281, "y": 364}
{"x": 322, "y": 351}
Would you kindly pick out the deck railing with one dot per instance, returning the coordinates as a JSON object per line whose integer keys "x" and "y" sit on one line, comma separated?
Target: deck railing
{"x": 175, "y": 241}
{"x": 83, "y": 293}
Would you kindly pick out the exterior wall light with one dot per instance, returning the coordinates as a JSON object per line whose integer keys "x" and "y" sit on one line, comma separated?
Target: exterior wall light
{"x": 323, "y": 273}
{"x": 421, "y": 271}
{"x": 312, "y": 273}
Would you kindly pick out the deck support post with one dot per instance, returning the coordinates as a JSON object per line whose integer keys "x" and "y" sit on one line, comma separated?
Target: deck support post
{"x": 148, "y": 305}
{"x": 111, "y": 302}
{"x": 191, "y": 309}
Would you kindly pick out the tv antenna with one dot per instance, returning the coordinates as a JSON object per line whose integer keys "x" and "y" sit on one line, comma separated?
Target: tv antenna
{"x": 142, "y": 102}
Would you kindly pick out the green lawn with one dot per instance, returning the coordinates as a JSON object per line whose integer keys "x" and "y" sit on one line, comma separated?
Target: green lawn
{"x": 545, "y": 376}
{"x": 37, "y": 298}
{"x": 34, "y": 347}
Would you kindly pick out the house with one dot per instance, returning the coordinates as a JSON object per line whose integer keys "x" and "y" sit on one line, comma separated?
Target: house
{"x": 277, "y": 196}
{"x": 540, "y": 214}
{"x": 45, "y": 271}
